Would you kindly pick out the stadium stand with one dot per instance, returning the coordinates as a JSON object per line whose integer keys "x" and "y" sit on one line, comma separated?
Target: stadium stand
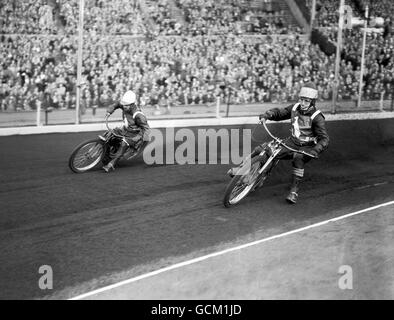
{"x": 177, "y": 52}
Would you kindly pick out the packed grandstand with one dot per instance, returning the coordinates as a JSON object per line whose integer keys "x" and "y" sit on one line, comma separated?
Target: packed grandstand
{"x": 186, "y": 52}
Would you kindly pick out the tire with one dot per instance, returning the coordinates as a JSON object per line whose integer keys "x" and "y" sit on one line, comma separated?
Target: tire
{"x": 79, "y": 165}
{"x": 229, "y": 200}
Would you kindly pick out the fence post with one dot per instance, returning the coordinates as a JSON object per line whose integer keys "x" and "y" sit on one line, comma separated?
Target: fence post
{"x": 218, "y": 107}
{"x": 392, "y": 96}
{"x": 361, "y": 84}
{"x": 228, "y": 104}
{"x": 47, "y": 110}
{"x": 381, "y": 100}
{"x": 38, "y": 118}
{"x": 79, "y": 61}
{"x": 185, "y": 98}
{"x": 338, "y": 57}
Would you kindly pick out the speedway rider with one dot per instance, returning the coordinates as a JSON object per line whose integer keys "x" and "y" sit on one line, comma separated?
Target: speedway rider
{"x": 308, "y": 133}
{"x": 135, "y": 130}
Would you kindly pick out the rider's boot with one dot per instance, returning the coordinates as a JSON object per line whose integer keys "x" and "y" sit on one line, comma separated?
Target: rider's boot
{"x": 293, "y": 194}
{"x": 111, "y": 165}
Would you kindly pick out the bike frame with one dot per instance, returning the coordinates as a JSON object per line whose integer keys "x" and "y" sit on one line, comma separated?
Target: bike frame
{"x": 113, "y": 133}
{"x": 275, "y": 150}
{"x": 270, "y": 159}
{"x": 131, "y": 151}
{"x": 255, "y": 177}
{"x": 280, "y": 142}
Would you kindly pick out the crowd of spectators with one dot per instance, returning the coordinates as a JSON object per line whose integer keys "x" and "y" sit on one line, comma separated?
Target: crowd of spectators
{"x": 36, "y": 68}
{"x": 379, "y": 61}
{"x": 103, "y": 17}
{"x": 207, "y": 17}
{"x": 381, "y": 8}
{"x": 177, "y": 70}
{"x": 130, "y": 17}
{"x": 31, "y": 17}
{"x": 61, "y": 17}
{"x": 327, "y": 11}
{"x": 163, "y": 17}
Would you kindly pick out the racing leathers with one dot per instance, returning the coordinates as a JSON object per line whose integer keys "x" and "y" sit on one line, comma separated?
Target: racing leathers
{"x": 308, "y": 130}
{"x": 308, "y": 133}
{"x": 135, "y": 130}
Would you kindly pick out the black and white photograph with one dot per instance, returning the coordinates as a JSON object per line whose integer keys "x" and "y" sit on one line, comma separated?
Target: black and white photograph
{"x": 197, "y": 154}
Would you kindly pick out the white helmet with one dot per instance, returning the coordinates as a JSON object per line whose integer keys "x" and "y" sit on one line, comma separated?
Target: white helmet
{"x": 308, "y": 91}
{"x": 128, "y": 98}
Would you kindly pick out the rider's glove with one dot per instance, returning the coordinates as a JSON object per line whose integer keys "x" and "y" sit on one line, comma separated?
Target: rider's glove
{"x": 267, "y": 115}
{"x": 107, "y": 115}
{"x": 314, "y": 153}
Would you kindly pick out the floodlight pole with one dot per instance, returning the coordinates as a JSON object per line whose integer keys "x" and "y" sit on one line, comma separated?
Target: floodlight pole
{"x": 313, "y": 13}
{"x": 360, "y": 91}
{"x": 338, "y": 56}
{"x": 79, "y": 61}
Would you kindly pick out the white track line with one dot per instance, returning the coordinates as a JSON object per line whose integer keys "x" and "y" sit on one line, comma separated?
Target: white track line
{"x": 215, "y": 254}
{"x": 372, "y": 185}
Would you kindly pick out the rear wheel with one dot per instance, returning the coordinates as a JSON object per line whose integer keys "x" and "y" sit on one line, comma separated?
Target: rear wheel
{"x": 243, "y": 182}
{"x": 87, "y": 156}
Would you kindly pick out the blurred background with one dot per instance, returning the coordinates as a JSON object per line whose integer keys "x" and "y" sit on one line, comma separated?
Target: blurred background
{"x": 66, "y": 61}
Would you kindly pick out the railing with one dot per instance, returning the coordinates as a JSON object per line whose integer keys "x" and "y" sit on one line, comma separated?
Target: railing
{"x": 219, "y": 109}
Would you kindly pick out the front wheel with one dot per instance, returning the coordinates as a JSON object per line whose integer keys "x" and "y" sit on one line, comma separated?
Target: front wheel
{"x": 87, "y": 156}
{"x": 243, "y": 182}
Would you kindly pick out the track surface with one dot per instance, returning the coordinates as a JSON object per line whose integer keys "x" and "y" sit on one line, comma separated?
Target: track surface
{"x": 91, "y": 227}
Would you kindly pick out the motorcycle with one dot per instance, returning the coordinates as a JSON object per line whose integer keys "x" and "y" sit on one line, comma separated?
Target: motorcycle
{"x": 100, "y": 151}
{"x": 253, "y": 172}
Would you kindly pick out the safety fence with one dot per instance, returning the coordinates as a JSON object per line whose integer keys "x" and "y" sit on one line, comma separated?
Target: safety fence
{"x": 219, "y": 109}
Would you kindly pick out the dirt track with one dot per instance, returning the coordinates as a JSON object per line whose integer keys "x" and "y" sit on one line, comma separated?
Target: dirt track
{"x": 94, "y": 229}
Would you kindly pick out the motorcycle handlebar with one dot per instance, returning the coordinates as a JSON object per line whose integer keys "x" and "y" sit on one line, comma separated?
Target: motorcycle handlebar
{"x": 109, "y": 129}
{"x": 263, "y": 121}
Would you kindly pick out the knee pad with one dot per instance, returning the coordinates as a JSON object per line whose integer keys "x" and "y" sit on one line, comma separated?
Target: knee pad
{"x": 298, "y": 161}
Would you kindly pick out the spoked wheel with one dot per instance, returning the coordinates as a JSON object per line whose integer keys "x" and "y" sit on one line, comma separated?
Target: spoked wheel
{"x": 242, "y": 183}
{"x": 87, "y": 156}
